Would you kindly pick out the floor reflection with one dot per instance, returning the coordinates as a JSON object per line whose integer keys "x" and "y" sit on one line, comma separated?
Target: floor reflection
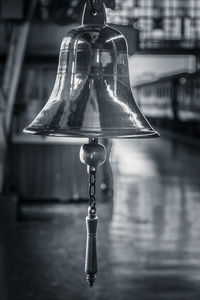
{"x": 155, "y": 228}
{"x": 148, "y": 242}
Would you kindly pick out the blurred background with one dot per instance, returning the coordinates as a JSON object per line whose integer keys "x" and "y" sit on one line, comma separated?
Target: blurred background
{"x": 148, "y": 191}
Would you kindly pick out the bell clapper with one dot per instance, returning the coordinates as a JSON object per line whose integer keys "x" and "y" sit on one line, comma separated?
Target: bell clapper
{"x": 92, "y": 154}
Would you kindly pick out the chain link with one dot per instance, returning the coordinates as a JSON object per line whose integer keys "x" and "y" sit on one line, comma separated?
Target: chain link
{"x": 92, "y": 191}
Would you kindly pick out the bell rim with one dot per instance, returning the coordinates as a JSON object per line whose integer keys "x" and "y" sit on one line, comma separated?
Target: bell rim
{"x": 104, "y": 133}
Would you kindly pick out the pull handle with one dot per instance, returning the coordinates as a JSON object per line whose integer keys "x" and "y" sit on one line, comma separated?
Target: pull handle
{"x": 91, "y": 249}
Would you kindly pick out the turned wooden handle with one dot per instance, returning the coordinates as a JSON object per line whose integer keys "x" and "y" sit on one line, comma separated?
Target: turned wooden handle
{"x": 91, "y": 248}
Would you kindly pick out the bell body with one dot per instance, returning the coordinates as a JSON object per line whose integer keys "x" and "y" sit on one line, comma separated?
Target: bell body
{"x": 92, "y": 96}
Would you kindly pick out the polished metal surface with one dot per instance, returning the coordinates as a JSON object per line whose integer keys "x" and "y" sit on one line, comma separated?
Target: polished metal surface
{"x": 92, "y": 96}
{"x": 93, "y": 154}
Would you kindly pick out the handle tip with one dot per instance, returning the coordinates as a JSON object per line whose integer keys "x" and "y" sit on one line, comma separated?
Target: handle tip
{"x": 91, "y": 279}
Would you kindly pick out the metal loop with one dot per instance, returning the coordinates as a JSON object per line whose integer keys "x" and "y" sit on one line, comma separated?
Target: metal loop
{"x": 92, "y": 200}
{"x": 93, "y": 10}
{"x": 91, "y": 210}
{"x": 92, "y": 177}
{"x": 92, "y": 190}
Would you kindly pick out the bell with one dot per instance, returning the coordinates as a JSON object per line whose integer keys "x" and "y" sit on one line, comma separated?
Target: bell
{"x": 92, "y": 96}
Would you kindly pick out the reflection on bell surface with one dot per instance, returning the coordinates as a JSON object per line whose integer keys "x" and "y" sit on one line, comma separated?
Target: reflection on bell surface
{"x": 92, "y": 96}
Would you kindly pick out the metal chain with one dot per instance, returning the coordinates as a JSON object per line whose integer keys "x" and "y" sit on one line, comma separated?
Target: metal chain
{"x": 92, "y": 192}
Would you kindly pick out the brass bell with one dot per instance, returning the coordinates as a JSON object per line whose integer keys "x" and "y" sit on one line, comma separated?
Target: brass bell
{"x": 92, "y": 96}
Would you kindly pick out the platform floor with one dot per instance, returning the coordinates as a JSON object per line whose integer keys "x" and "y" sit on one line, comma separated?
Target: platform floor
{"x": 148, "y": 241}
